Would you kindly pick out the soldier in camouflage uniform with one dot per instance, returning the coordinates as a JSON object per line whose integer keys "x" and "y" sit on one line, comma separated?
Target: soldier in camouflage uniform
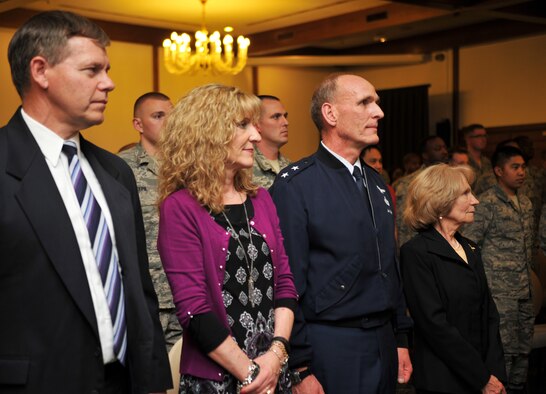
{"x": 475, "y": 138}
{"x": 433, "y": 151}
{"x": 534, "y": 184}
{"x": 502, "y": 227}
{"x": 273, "y": 128}
{"x": 149, "y": 113}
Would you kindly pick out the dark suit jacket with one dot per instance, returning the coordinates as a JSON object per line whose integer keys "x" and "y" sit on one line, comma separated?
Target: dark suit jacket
{"x": 49, "y": 339}
{"x": 344, "y": 266}
{"x": 456, "y": 323}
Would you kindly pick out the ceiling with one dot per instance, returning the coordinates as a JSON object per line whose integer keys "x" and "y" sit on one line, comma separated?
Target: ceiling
{"x": 309, "y": 27}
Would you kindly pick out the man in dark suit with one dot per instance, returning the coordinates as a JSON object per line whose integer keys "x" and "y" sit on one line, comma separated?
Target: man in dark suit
{"x": 79, "y": 313}
{"x": 337, "y": 219}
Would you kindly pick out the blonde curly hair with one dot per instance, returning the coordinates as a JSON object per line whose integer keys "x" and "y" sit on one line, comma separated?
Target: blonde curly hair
{"x": 193, "y": 147}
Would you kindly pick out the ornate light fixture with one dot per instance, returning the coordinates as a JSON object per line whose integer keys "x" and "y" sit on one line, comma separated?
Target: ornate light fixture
{"x": 208, "y": 57}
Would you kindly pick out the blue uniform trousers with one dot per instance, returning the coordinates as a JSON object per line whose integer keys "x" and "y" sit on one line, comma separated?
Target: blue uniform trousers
{"x": 354, "y": 360}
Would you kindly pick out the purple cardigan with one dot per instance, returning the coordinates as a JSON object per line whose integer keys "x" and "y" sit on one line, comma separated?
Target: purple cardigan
{"x": 193, "y": 249}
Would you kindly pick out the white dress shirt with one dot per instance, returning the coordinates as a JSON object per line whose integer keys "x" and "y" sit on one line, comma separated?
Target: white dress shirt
{"x": 344, "y": 161}
{"x": 51, "y": 146}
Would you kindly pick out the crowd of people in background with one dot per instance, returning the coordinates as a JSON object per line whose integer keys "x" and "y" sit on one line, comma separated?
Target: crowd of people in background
{"x": 323, "y": 274}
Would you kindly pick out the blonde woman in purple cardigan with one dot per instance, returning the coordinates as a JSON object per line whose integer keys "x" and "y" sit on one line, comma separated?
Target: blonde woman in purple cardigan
{"x": 222, "y": 248}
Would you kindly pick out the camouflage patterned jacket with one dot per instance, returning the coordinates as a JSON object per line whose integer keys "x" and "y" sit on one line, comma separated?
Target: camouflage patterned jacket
{"x": 485, "y": 168}
{"x": 485, "y": 177}
{"x": 504, "y": 234}
{"x": 145, "y": 169}
{"x": 263, "y": 173}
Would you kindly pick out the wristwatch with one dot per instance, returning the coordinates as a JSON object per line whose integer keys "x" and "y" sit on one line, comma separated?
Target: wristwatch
{"x": 296, "y": 377}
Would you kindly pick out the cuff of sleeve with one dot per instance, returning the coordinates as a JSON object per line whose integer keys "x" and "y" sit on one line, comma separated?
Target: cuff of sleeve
{"x": 402, "y": 339}
{"x": 299, "y": 357}
{"x": 208, "y": 331}
{"x": 290, "y": 303}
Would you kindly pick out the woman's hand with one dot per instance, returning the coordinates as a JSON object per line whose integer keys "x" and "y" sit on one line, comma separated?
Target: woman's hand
{"x": 494, "y": 386}
{"x": 266, "y": 381}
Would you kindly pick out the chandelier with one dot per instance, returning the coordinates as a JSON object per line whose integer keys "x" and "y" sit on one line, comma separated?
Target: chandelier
{"x": 208, "y": 57}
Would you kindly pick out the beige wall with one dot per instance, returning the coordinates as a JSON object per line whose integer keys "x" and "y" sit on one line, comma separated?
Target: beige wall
{"x": 504, "y": 84}
{"x": 501, "y": 84}
{"x": 9, "y": 100}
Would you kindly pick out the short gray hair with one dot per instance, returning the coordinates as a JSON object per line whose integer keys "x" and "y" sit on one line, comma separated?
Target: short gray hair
{"x": 324, "y": 93}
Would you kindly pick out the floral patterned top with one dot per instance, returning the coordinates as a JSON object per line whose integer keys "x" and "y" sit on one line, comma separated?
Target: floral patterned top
{"x": 250, "y": 309}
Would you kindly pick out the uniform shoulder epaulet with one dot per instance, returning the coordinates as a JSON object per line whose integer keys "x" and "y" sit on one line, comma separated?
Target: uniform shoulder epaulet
{"x": 294, "y": 169}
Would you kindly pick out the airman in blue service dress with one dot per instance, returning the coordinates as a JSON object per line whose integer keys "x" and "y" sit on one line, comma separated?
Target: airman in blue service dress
{"x": 342, "y": 252}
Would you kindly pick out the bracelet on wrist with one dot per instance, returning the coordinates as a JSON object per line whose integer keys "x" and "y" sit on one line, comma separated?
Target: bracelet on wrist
{"x": 253, "y": 372}
{"x": 282, "y": 360}
{"x": 284, "y": 341}
{"x": 278, "y": 349}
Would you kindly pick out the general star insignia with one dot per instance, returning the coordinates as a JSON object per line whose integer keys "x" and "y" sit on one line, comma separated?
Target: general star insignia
{"x": 284, "y": 175}
{"x": 295, "y": 168}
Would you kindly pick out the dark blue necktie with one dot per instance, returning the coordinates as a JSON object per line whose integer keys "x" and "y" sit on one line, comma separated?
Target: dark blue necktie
{"x": 103, "y": 250}
{"x": 357, "y": 174}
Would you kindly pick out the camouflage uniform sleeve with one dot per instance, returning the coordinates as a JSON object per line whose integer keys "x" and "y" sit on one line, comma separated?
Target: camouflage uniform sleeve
{"x": 531, "y": 233}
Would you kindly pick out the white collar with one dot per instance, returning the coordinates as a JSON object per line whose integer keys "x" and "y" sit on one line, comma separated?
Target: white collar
{"x": 49, "y": 142}
{"x": 344, "y": 161}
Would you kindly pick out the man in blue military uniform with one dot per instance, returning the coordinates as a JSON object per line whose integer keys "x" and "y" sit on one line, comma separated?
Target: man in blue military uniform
{"x": 337, "y": 220}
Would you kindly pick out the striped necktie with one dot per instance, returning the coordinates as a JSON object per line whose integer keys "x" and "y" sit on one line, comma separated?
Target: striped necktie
{"x": 105, "y": 256}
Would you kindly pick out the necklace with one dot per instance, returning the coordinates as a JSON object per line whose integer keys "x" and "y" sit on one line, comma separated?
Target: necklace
{"x": 251, "y": 249}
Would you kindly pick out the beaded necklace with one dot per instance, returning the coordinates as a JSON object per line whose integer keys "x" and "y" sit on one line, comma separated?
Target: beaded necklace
{"x": 251, "y": 249}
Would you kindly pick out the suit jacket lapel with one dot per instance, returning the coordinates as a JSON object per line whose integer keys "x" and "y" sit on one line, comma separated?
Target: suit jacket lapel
{"x": 438, "y": 245}
{"x": 471, "y": 251}
{"x": 41, "y": 202}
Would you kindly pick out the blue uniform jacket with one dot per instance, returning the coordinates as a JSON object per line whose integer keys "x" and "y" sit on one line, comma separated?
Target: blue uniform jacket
{"x": 342, "y": 255}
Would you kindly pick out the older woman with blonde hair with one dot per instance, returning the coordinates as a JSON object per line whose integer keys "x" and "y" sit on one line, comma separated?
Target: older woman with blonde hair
{"x": 457, "y": 347}
{"x": 222, "y": 249}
